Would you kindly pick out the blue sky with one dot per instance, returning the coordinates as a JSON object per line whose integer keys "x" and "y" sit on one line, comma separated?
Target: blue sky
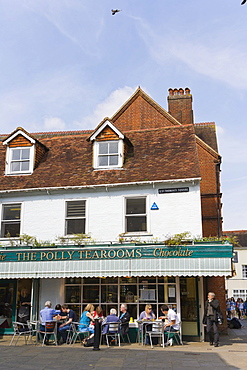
{"x": 66, "y": 64}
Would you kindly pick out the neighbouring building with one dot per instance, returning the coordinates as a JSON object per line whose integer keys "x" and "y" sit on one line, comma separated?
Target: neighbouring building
{"x": 100, "y": 204}
{"x": 236, "y": 286}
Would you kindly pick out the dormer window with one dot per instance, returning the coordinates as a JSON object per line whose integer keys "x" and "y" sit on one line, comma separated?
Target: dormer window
{"x": 20, "y": 160}
{"x": 108, "y": 147}
{"x": 19, "y": 153}
{"x": 108, "y": 153}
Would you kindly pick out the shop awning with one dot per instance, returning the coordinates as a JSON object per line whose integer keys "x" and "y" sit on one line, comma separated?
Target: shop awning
{"x": 159, "y": 267}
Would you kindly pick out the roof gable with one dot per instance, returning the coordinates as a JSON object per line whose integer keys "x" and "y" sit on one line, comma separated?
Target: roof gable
{"x": 17, "y": 133}
{"x": 101, "y": 129}
{"x": 142, "y": 112}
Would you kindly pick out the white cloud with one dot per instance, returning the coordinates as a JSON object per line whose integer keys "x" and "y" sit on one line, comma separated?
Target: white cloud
{"x": 51, "y": 95}
{"x": 208, "y": 56}
{"x": 108, "y": 107}
{"x": 54, "y": 123}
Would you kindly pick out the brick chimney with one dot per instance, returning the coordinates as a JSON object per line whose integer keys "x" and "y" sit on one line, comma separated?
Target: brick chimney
{"x": 180, "y": 105}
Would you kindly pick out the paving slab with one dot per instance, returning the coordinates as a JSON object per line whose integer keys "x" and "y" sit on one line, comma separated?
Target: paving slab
{"x": 231, "y": 355}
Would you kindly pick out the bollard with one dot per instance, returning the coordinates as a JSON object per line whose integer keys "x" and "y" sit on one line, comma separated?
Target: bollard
{"x": 97, "y": 334}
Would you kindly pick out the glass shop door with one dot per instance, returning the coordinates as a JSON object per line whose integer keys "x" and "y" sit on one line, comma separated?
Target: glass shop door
{"x": 189, "y": 306}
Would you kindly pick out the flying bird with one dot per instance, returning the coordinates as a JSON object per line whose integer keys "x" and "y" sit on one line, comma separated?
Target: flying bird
{"x": 243, "y": 2}
{"x": 114, "y": 11}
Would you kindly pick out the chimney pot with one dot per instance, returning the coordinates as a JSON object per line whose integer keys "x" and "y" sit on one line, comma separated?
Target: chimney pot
{"x": 170, "y": 91}
{"x": 187, "y": 91}
{"x": 181, "y": 91}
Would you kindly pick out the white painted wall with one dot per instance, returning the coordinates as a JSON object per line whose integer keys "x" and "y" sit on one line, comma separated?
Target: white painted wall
{"x": 43, "y": 214}
{"x": 51, "y": 290}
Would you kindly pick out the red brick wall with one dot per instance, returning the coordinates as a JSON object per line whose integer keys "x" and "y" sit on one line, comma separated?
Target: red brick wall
{"x": 180, "y": 107}
{"x": 140, "y": 115}
{"x": 216, "y": 284}
{"x": 210, "y": 197}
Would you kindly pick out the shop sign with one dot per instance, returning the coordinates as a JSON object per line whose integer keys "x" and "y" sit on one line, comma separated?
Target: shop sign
{"x": 111, "y": 253}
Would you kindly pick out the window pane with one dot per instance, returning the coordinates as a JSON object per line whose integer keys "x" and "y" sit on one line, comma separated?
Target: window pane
{"x": 91, "y": 294}
{"x": 72, "y": 294}
{"x": 109, "y": 293}
{"x": 15, "y": 166}
{"x": 73, "y": 281}
{"x": 10, "y": 229}
{"x": 76, "y": 226}
{"x": 25, "y": 153}
{"x": 137, "y": 223}
{"x": 11, "y": 212}
{"x": 103, "y": 148}
{"x": 103, "y": 161}
{"x": 16, "y": 154}
{"x": 109, "y": 280}
{"x": 91, "y": 281}
{"x": 25, "y": 166}
{"x": 136, "y": 206}
{"x": 113, "y": 160}
{"x": 76, "y": 208}
{"x": 128, "y": 293}
{"x": 113, "y": 147}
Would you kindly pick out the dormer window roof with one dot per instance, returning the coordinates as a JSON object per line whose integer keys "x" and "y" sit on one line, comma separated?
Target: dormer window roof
{"x": 108, "y": 146}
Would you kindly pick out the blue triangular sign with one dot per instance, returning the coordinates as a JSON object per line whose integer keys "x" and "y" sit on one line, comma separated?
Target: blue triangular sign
{"x": 154, "y": 206}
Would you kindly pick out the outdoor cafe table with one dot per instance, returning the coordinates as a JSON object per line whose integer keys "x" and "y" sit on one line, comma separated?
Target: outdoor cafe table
{"x": 142, "y": 327}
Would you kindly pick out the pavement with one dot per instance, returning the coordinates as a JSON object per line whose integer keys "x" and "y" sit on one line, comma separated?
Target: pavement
{"x": 232, "y": 354}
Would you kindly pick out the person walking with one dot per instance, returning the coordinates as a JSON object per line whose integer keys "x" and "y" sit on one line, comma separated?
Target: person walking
{"x": 212, "y": 314}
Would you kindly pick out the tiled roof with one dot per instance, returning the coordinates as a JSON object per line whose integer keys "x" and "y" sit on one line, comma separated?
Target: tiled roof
{"x": 240, "y": 234}
{"x": 207, "y": 132}
{"x": 158, "y": 154}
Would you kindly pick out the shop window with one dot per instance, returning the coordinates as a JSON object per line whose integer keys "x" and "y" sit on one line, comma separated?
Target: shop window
{"x": 244, "y": 271}
{"x": 111, "y": 292}
{"x": 11, "y": 220}
{"x": 136, "y": 217}
{"x": 75, "y": 217}
{"x": 7, "y": 304}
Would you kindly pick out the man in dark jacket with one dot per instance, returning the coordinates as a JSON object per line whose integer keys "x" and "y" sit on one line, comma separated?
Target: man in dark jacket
{"x": 211, "y": 314}
{"x": 124, "y": 318}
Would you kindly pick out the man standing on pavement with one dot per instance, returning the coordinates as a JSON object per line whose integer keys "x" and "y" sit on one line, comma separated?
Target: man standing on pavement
{"x": 70, "y": 316}
{"x": 211, "y": 315}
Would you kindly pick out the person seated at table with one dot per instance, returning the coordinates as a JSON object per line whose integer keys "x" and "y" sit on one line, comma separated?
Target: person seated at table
{"x": 173, "y": 322}
{"x": 110, "y": 318}
{"x": 124, "y": 319}
{"x": 86, "y": 318}
{"x": 147, "y": 314}
{"x": 69, "y": 316}
{"x": 47, "y": 314}
{"x": 58, "y": 307}
{"x": 98, "y": 313}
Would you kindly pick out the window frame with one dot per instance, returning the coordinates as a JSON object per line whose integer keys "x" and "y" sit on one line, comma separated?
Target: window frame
{"x": 75, "y": 218}
{"x": 5, "y": 221}
{"x": 120, "y": 154}
{"x": 140, "y": 232}
{"x": 9, "y": 160}
{"x": 244, "y": 271}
